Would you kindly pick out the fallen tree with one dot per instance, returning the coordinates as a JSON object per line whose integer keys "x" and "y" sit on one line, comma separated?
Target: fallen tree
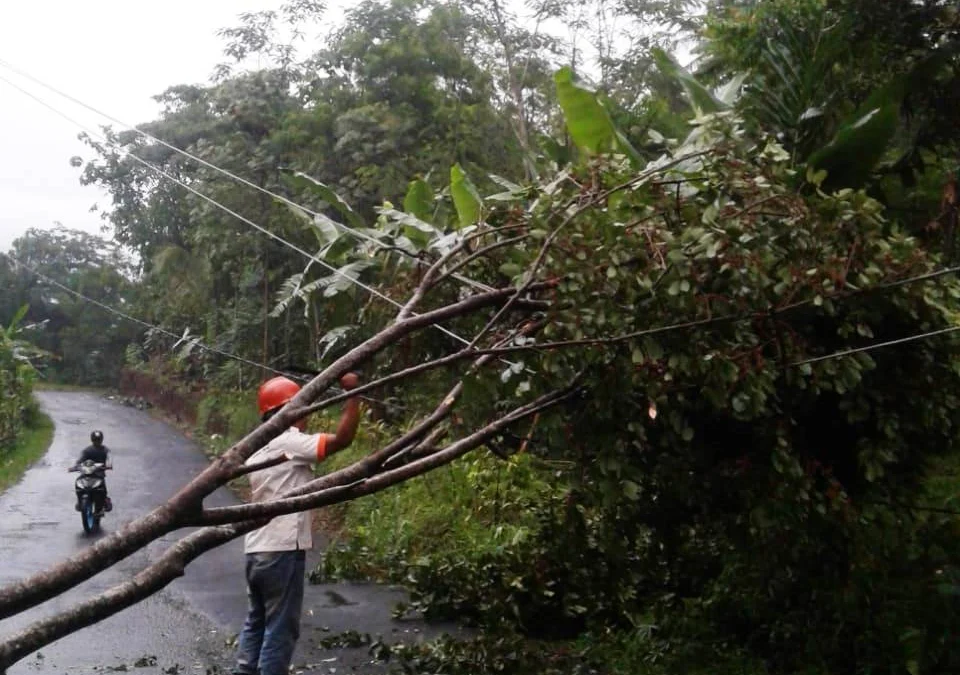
{"x": 578, "y": 286}
{"x": 185, "y": 508}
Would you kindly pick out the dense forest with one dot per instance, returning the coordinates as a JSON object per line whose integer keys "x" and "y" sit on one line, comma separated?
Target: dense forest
{"x": 749, "y": 261}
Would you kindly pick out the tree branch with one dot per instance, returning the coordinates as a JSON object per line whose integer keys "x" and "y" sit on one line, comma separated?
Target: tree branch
{"x": 368, "y": 465}
{"x": 479, "y": 254}
{"x": 258, "y": 466}
{"x": 427, "y": 445}
{"x": 545, "y": 247}
{"x": 380, "y": 481}
{"x": 173, "y": 562}
{"x": 424, "y": 286}
{"x": 465, "y": 353}
{"x": 39, "y": 587}
{"x": 158, "y": 575}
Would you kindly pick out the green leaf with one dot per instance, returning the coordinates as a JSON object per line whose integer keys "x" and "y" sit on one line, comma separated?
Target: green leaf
{"x": 17, "y": 318}
{"x": 863, "y": 139}
{"x": 329, "y": 340}
{"x": 325, "y": 229}
{"x": 588, "y": 121}
{"x": 653, "y": 349}
{"x": 407, "y": 220}
{"x": 701, "y": 99}
{"x": 343, "y": 278}
{"x": 466, "y": 199}
{"x": 510, "y": 269}
{"x": 331, "y": 197}
{"x": 508, "y": 185}
{"x": 857, "y": 146}
{"x": 419, "y": 200}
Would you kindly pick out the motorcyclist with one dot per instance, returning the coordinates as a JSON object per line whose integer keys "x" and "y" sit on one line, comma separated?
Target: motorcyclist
{"x": 99, "y": 453}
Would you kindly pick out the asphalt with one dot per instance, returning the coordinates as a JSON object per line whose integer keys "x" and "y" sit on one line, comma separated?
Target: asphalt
{"x": 188, "y": 627}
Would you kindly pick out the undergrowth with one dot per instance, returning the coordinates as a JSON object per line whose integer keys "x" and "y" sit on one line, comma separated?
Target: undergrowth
{"x": 469, "y": 510}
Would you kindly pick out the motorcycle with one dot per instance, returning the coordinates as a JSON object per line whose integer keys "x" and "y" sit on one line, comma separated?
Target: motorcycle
{"x": 91, "y": 488}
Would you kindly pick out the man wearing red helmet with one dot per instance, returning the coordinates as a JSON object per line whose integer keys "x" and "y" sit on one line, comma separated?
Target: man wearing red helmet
{"x": 276, "y": 553}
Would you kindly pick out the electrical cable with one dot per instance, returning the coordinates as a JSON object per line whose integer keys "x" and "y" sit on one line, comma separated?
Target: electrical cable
{"x": 872, "y": 347}
{"x": 226, "y": 209}
{"x": 346, "y": 229}
{"x": 360, "y": 235}
{"x": 179, "y": 338}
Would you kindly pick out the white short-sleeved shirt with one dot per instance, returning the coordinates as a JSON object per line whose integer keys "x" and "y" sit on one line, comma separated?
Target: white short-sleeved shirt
{"x": 293, "y": 531}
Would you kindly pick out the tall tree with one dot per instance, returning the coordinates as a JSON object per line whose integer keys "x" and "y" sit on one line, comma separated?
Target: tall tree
{"x": 87, "y": 343}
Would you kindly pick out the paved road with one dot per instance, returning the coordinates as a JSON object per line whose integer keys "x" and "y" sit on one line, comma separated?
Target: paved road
{"x": 188, "y": 624}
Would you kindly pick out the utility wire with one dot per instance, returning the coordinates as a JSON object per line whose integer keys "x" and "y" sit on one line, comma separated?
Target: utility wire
{"x": 843, "y": 295}
{"x": 179, "y": 338}
{"x": 224, "y": 208}
{"x": 667, "y": 329}
{"x": 876, "y": 345}
{"x": 140, "y": 322}
{"x": 225, "y": 172}
{"x": 360, "y": 235}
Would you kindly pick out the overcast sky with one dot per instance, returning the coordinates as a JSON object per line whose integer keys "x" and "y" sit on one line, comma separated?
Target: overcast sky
{"x": 112, "y": 54}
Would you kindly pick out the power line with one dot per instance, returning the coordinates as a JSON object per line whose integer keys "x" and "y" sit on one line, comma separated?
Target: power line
{"x": 225, "y": 172}
{"x": 877, "y": 345}
{"x": 843, "y": 295}
{"x": 675, "y": 327}
{"x": 142, "y": 323}
{"x": 224, "y": 208}
{"x": 179, "y": 338}
{"x": 360, "y": 235}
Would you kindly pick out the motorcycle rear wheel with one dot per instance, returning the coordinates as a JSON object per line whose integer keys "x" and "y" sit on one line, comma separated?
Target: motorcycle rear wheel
{"x": 88, "y": 516}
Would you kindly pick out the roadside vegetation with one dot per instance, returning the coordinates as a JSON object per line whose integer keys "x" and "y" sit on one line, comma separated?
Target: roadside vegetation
{"x": 25, "y": 432}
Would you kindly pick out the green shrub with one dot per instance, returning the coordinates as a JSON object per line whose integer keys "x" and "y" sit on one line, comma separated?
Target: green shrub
{"x": 17, "y": 375}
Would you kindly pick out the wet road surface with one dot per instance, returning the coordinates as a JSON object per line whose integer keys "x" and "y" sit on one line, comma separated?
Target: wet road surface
{"x": 186, "y": 627}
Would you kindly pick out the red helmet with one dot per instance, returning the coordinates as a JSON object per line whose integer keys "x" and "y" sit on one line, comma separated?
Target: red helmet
{"x": 275, "y": 393}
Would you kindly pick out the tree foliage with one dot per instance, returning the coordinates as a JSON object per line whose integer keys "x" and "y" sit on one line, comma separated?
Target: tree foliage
{"x": 18, "y": 361}
{"x": 82, "y": 341}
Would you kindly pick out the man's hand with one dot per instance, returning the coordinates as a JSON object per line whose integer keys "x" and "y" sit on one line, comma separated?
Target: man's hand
{"x": 350, "y": 381}
{"x": 347, "y": 428}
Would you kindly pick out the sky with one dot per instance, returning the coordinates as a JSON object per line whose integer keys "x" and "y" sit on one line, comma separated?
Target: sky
{"x": 114, "y": 55}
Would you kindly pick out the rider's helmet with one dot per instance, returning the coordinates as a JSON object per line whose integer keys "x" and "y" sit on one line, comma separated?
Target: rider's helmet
{"x": 274, "y": 394}
{"x": 97, "y": 438}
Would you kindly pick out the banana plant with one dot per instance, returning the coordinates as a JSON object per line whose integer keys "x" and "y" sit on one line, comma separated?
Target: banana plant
{"x": 795, "y": 105}
{"x": 588, "y": 121}
{"x": 866, "y": 138}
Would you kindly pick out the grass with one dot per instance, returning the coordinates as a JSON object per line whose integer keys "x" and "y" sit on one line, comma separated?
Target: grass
{"x": 30, "y": 447}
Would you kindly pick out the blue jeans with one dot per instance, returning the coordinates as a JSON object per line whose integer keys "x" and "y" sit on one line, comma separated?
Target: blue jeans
{"x": 275, "y": 594}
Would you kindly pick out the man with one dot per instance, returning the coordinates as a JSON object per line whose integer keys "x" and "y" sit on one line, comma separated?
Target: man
{"x": 100, "y": 454}
{"x": 276, "y": 553}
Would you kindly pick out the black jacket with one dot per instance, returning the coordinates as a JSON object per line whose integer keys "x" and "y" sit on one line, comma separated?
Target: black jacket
{"x": 98, "y": 455}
